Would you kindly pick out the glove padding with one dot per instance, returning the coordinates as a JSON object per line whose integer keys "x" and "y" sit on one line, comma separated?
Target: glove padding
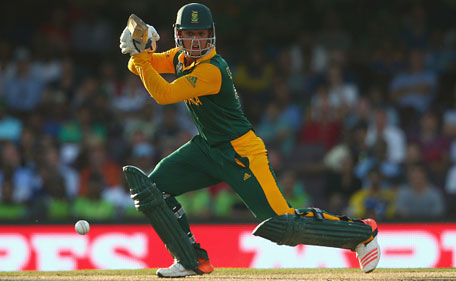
{"x": 133, "y": 47}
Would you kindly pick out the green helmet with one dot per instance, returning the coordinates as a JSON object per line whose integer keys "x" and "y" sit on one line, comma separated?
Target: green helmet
{"x": 194, "y": 16}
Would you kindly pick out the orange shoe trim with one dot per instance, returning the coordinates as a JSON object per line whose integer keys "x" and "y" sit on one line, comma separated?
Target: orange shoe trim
{"x": 205, "y": 266}
{"x": 371, "y": 223}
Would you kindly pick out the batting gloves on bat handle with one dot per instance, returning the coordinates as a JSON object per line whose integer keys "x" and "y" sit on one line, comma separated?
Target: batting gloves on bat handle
{"x": 130, "y": 46}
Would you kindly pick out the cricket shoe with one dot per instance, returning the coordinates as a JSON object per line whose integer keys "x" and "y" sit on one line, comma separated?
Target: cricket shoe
{"x": 368, "y": 253}
{"x": 177, "y": 270}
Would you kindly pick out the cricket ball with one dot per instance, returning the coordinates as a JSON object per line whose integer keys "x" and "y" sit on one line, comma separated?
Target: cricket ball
{"x": 82, "y": 227}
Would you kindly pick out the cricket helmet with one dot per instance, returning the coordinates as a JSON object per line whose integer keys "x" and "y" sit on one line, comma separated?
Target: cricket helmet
{"x": 194, "y": 16}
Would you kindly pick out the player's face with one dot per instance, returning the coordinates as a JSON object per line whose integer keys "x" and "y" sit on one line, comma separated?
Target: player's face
{"x": 195, "y": 40}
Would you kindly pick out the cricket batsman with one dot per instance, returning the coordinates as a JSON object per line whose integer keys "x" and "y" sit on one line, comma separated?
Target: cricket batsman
{"x": 226, "y": 149}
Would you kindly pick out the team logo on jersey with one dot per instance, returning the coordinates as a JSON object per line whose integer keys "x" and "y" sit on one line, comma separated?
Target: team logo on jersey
{"x": 246, "y": 176}
{"x": 196, "y": 101}
{"x": 195, "y": 18}
{"x": 179, "y": 67}
{"x": 192, "y": 80}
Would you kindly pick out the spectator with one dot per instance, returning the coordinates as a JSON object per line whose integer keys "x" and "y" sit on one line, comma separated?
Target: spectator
{"x": 322, "y": 124}
{"x": 55, "y": 30}
{"x": 88, "y": 88}
{"x": 10, "y": 210}
{"x": 415, "y": 32}
{"x": 109, "y": 80}
{"x": 342, "y": 94}
{"x": 434, "y": 147}
{"x": 378, "y": 158}
{"x": 28, "y": 147}
{"x": 82, "y": 127}
{"x": 418, "y": 198}
{"x": 375, "y": 200}
{"x": 69, "y": 176}
{"x": 65, "y": 86}
{"x": 414, "y": 88}
{"x": 23, "y": 178}
{"x": 132, "y": 97}
{"x": 293, "y": 189}
{"x": 10, "y": 127}
{"x": 356, "y": 142}
{"x": 360, "y": 114}
{"x": 290, "y": 71}
{"x": 412, "y": 157}
{"x": 449, "y": 124}
{"x": 92, "y": 206}
{"x": 394, "y": 136}
{"x": 291, "y": 112}
{"x": 387, "y": 57}
{"x": 94, "y": 28}
{"x": 331, "y": 37}
{"x": 253, "y": 78}
{"x": 23, "y": 88}
{"x": 53, "y": 202}
{"x": 341, "y": 183}
{"x": 275, "y": 130}
{"x": 146, "y": 121}
{"x": 99, "y": 164}
{"x": 5, "y": 55}
{"x": 143, "y": 156}
{"x": 171, "y": 131}
{"x": 429, "y": 137}
{"x": 377, "y": 95}
{"x": 281, "y": 120}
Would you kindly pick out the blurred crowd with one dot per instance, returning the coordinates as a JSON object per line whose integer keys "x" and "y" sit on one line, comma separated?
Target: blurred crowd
{"x": 355, "y": 100}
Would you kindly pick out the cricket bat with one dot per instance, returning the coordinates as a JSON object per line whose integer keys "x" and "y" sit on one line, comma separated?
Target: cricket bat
{"x": 138, "y": 30}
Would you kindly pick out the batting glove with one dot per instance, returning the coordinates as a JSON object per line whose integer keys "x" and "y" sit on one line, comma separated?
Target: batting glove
{"x": 132, "y": 47}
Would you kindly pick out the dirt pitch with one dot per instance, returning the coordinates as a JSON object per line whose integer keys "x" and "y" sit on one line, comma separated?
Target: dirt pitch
{"x": 236, "y": 274}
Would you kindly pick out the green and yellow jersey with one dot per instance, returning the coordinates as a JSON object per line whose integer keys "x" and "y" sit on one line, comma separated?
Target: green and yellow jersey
{"x": 206, "y": 86}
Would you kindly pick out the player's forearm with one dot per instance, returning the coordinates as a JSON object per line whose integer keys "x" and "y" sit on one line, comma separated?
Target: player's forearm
{"x": 157, "y": 87}
{"x": 205, "y": 80}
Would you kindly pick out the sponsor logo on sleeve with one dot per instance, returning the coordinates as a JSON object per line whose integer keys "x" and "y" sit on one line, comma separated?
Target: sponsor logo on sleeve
{"x": 192, "y": 80}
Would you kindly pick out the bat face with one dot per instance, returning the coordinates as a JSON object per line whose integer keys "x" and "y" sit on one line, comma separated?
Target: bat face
{"x": 138, "y": 28}
{"x": 139, "y": 33}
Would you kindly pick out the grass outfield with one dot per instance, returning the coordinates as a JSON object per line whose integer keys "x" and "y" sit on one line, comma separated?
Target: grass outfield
{"x": 239, "y": 274}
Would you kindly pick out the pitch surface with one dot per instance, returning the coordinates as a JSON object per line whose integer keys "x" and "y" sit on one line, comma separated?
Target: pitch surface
{"x": 235, "y": 274}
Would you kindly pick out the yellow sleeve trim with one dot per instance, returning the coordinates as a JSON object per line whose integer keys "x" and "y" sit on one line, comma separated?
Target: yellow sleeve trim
{"x": 206, "y": 79}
